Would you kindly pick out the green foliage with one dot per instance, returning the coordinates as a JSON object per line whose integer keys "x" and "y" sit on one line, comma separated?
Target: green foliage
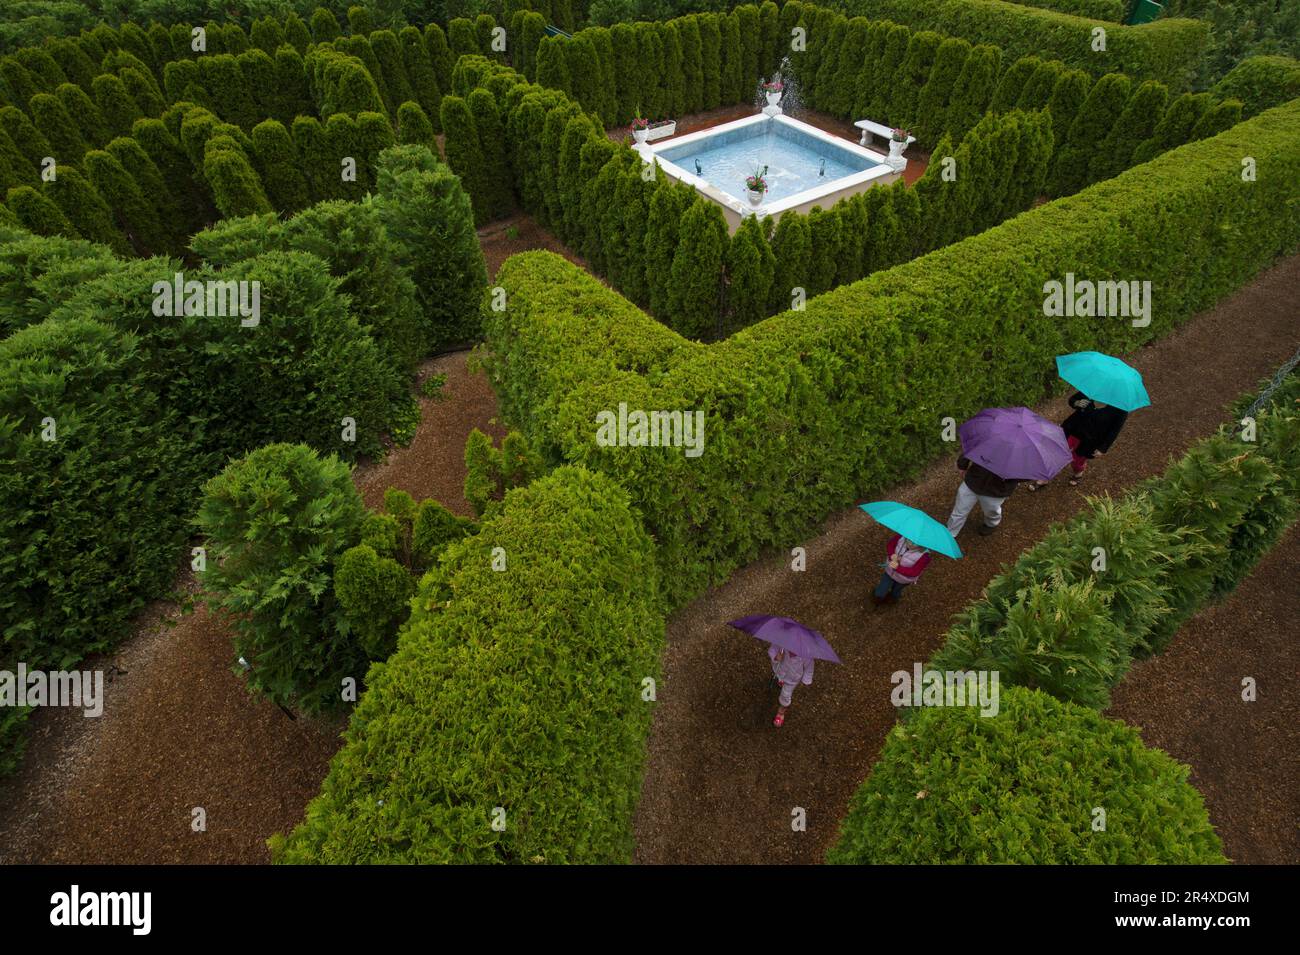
{"x": 427, "y": 212}
{"x": 750, "y": 269}
{"x": 494, "y": 173}
{"x": 1239, "y": 30}
{"x": 953, "y": 786}
{"x": 553, "y": 648}
{"x": 1261, "y": 82}
{"x": 74, "y": 569}
{"x": 1097, "y": 116}
{"x": 710, "y": 60}
{"x": 281, "y": 167}
{"x": 491, "y": 472}
{"x": 277, "y": 523}
{"x": 932, "y": 101}
{"x": 792, "y": 248}
{"x": 78, "y": 104}
{"x": 135, "y": 215}
{"x": 373, "y": 594}
{"x": 37, "y": 212}
{"x": 912, "y": 74}
{"x": 693, "y": 296}
{"x": 975, "y": 86}
{"x": 414, "y": 128}
{"x": 780, "y": 397}
{"x": 1068, "y": 97}
{"x": 434, "y": 528}
{"x": 1168, "y": 50}
{"x": 1222, "y": 115}
{"x": 58, "y": 127}
{"x": 1175, "y": 127}
{"x": 1135, "y": 125}
{"x": 86, "y": 209}
{"x": 236, "y": 186}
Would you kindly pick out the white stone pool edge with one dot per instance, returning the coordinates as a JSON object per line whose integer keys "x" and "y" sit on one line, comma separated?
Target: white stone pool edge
{"x": 879, "y": 174}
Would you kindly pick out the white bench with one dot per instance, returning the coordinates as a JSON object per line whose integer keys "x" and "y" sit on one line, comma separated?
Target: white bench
{"x": 868, "y": 127}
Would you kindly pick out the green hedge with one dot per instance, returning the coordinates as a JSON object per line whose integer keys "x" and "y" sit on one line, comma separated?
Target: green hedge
{"x": 1261, "y": 82}
{"x": 1167, "y": 50}
{"x": 520, "y": 689}
{"x": 808, "y": 411}
{"x": 1022, "y": 787}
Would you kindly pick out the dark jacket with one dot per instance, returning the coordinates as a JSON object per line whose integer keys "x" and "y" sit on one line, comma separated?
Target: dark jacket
{"x": 983, "y": 481}
{"x": 1096, "y": 428}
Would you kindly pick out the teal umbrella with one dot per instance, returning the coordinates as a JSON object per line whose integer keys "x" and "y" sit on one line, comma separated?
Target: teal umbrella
{"x": 1105, "y": 379}
{"x": 917, "y": 526}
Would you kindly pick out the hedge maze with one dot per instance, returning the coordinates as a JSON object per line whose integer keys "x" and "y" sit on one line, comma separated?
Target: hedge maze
{"x": 339, "y": 164}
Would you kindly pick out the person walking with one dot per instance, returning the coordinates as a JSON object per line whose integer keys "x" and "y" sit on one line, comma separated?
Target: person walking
{"x": 788, "y": 669}
{"x": 1090, "y": 431}
{"x": 982, "y": 486}
{"x": 904, "y": 564}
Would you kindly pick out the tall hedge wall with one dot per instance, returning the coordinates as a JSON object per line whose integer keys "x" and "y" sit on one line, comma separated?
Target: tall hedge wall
{"x": 811, "y": 409}
{"x": 520, "y": 689}
{"x": 1167, "y": 50}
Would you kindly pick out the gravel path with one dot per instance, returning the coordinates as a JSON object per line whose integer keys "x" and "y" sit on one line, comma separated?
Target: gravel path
{"x": 1245, "y": 756}
{"x": 722, "y": 782}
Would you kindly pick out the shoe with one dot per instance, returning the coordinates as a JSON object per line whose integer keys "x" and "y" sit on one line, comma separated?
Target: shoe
{"x": 877, "y": 600}
{"x": 985, "y": 530}
{"x": 780, "y": 719}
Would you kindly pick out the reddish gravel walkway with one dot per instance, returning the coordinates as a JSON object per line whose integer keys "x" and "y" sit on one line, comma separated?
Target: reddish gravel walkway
{"x": 722, "y": 782}
{"x": 1245, "y": 757}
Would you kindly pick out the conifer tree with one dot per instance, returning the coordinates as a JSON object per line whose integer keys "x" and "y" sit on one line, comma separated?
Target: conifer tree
{"x": 1175, "y": 127}
{"x": 465, "y": 156}
{"x": 29, "y": 140}
{"x": 828, "y": 63}
{"x": 1067, "y": 99}
{"x": 343, "y": 140}
{"x": 531, "y": 30}
{"x": 226, "y": 87}
{"x": 291, "y": 85}
{"x": 413, "y": 126}
{"x": 360, "y": 22}
{"x": 37, "y": 213}
{"x": 668, "y": 203}
{"x": 72, "y": 59}
{"x": 58, "y": 127}
{"x": 117, "y": 107}
{"x": 374, "y": 135}
{"x": 462, "y": 37}
{"x": 419, "y": 69}
{"x": 143, "y": 89}
{"x": 650, "y": 56}
{"x": 674, "y": 71}
{"x": 792, "y": 248}
{"x": 693, "y": 297}
{"x": 174, "y": 166}
{"x": 166, "y": 207}
{"x": 134, "y": 214}
{"x": 750, "y": 26}
{"x": 897, "y": 39}
{"x": 734, "y": 84}
{"x": 553, "y": 65}
{"x": 1136, "y": 124}
{"x": 607, "y": 86}
{"x": 295, "y": 34}
{"x": 324, "y": 26}
{"x": 1013, "y": 83}
{"x": 770, "y": 42}
{"x": 824, "y": 229}
{"x": 280, "y": 166}
{"x": 389, "y": 54}
{"x": 78, "y": 104}
{"x": 1098, "y": 114}
{"x": 710, "y": 60}
{"x": 974, "y": 89}
{"x": 1038, "y": 90}
{"x": 318, "y": 165}
{"x": 236, "y": 187}
{"x": 932, "y": 103}
{"x": 750, "y": 268}
{"x": 843, "y": 85}
{"x": 1221, "y": 116}
{"x": 440, "y": 55}
{"x": 86, "y": 209}
{"x": 259, "y": 74}
{"x": 267, "y": 35}
{"x": 935, "y": 194}
{"x": 234, "y": 39}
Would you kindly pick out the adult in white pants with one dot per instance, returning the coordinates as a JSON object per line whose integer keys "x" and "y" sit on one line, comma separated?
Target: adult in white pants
{"x": 966, "y": 498}
{"x": 981, "y": 485}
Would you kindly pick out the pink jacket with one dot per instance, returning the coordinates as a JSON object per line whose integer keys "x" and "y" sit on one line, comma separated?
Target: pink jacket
{"x": 791, "y": 669}
{"x": 912, "y": 561}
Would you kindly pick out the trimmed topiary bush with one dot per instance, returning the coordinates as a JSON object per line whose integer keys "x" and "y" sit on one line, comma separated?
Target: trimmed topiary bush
{"x": 952, "y": 786}
{"x": 276, "y": 523}
{"x": 549, "y": 648}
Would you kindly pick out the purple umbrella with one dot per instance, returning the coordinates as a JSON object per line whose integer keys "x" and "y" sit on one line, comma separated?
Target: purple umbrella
{"x": 787, "y": 634}
{"x": 1015, "y": 444}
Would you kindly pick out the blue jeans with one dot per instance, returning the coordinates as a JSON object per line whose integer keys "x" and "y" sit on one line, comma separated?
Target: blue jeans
{"x": 889, "y": 585}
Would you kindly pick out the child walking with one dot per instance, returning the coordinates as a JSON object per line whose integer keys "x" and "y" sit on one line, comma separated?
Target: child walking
{"x": 905, "y": 562}
{"x": 788, "y": 669}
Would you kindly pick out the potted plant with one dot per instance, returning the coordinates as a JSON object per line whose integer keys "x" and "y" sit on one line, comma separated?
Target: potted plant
{"x": 640, "y": 127}
{"x": 773, "y": 90}
{"x": 898, "y": 140}
{"x": 756, "y": 186}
